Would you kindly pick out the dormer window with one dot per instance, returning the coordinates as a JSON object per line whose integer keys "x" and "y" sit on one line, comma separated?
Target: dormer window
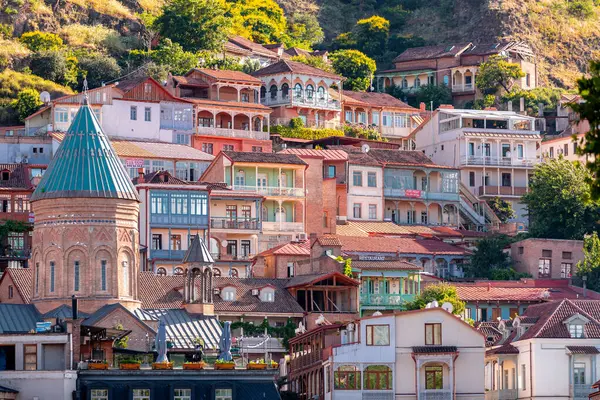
{"x": 267, "y": 294}
{"x": 228, "y": 294}
{"x": 576, "y": 331}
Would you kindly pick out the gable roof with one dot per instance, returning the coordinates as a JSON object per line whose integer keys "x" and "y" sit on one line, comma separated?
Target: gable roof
{"x": 64, "y": 312}
{"x": 18, "y": 318}
{"x": 105, "y": 310}
{"x": 311, "y": 279}
{"x": 378, "y": 100}
{"x": 22, "y": 278}
{"x": 534, "y": 291}
{"x": 326, "y": 155}
{"x": 225, "y": 74}
{"x": 264, "y": 158}
{"x": 18, "y": 177}
{"x": 403, "y": 158}
{"x": 241, "y": 43}
{"x": 378, "y": 244}
{"x": 288, "y": 249}
{"x": 85, "y": 165}
{"x": 198, "y": 253}
{"x": 288, "y": 66}
{"x": 432, "y": 52}
{"x": 160, "y": 178}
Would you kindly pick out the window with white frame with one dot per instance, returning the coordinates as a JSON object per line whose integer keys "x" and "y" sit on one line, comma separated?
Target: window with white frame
{"x": 357, "y": 178}
{"x": 375, "y": 118}
{"x": 61, "y": 115}
{"x": 290, "y": 269}
{"x": 267, "y": 294}
{"x": 240, "y": 178}
{"x": 182, "y": 394}
{"x": 576, "y": 331}
{"x": 378, "y": 335}
{"x": 372, "y": 211}
{"x": 179, "y": 204}
{"x": 133, "y": 113}
{"x": 223, "y": 394}
{"x": 199, "y": 204}
{"x": 228, "y": 294}
{"x": 158, "y": 204}
{"x": 388, "y": 119}
{"x": 141, "y": 394}
{"x": 579, "y": 374}
{"x": 147, "y": 114}
{"x": 356, "y": 208}
{"x": 371, "y": 179}
{"x": 349, "y": 115}
{"x": 565, "y": 270}
{"x": 99, "y": 394}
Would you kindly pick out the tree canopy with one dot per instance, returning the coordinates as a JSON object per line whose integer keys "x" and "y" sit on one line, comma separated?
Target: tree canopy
{"x": 488, "y": 256}
{"x": 261, "y": 21}
{"x": 589, "y": 110}
{"x": 356, "y": 67}
{"x": 502, "y": 208}
{"x": 439, "y": 94}
{"x": 195, "y": 24}
{"x": 559, "y": 201}
{"x": 27, "y": 102}
{"x": 590, "y": 265}
{"x": 371, "y": 35}
{"x": 442, "y": 293}
{"x": 497, "y": 72}
{"x": 38, "y": 41}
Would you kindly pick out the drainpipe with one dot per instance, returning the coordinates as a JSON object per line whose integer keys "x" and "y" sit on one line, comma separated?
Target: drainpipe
{"x": 530, "y": 369}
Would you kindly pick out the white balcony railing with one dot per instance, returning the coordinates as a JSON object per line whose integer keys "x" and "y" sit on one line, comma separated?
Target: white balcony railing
{"x": 232, "y": 133}
{"x": 435, "y": 394}
{"x": 314, "y": 102}
{"x": 499, "y": 161}
{"x": 274, "y": 191}
{"x": 464, "y": 87}
{"x": 503, "y": 394}
{"x": 297, "y": 227}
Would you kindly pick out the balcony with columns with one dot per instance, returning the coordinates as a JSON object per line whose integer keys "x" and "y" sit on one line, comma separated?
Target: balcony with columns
{"x": 463, "y": 79}
{"x": 515, "y": 152}
{"x": 306, "y": 95}
{"x": 247, "y": 125}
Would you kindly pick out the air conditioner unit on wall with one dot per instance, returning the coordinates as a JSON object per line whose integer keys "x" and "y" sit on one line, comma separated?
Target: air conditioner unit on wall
{"x": 255, "y": 292}
{"x": 302, "y": 236}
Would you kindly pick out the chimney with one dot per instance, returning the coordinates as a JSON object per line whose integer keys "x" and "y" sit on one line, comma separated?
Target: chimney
{"x": 509, "y": 106}
{"x": 446, "y": 106}
{"x": 141, "y": 175}
{"x": 74, "y": 307}
{"x": 422, "y": 107}
{"x": 522, "y": 104}
{"x": 489, "y": 286}
{"x": 491, "y": 109}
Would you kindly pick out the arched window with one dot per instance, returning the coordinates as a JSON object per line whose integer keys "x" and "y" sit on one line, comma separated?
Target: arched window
{"x": 76, "y": 276}
{"x": 273, "y": 91}
{"x": 178, "y": 271}
{"x": 298, "y": 90}
{"x": 417, "y": 82}
{"x": 346, "y": 377}
{"x": 280, "y": 214}
{"x": 378, "y": 377}
{"x": 216, "y": 272}
{"x": 321, "y": 93}
{"x": 125, "y": 265}
{"x": 310, "y": 91}
{"x": 285, "y": 90}
{"x": 161, "y": 271}
{"x": 263, "y": 92}
{"x": 404, "y": 83}
{"x": 234, "y": 273}
{"x": 240, "y": 178}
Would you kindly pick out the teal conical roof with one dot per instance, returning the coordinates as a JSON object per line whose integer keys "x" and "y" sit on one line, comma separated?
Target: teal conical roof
{"x": 85, "y": 165}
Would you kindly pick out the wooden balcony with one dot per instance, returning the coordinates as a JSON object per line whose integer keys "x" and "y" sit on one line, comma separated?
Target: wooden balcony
{"x": 502, "y": 191}
{"x": 234, "y": 223}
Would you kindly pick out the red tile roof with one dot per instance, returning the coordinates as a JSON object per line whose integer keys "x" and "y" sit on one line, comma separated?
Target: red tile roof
{"x": 308, "y": 280}
{"x": 583, "y": 350}
{"x": 23, "y": 280}
{"x": 535, "y": 290}
{"x": 187, "y": 81}
{"x": 431, "y": 52}
{"x": 377, "y": 244}
{"x": 288, "y": 249}
{"x": 327, "y": 155}
{"x": 394, "y": 265}
{"x": 225, "y": 74}
{"x": 245, "y": 44}
{"x": 329, "y": 240}
{"x": 553, "y": 314}
{"x": 379, "y": 100}
{"x": 287, "y": 66}
{"x": 403, "y": 158}
{"x": 18, "y": 177}
{"x": 266, "y": 158}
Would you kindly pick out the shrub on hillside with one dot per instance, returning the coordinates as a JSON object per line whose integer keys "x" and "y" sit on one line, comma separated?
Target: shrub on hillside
{"x": 38, "y": 41}
{"x": 581, "y": 8}
{"x": 305, "y": 133}
{"x": 98, "y": 68}
{"x": 13, "y": 82}
{"x": 55, "y": 66}
{"x": 11, "y": 53}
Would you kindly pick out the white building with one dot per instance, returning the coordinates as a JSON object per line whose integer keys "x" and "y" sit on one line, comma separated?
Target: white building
{"x": 365, "y": 188}
{"x": 422, "y": 354}
{"x": 494, "y": 150}
{"x": 550, "y": 352}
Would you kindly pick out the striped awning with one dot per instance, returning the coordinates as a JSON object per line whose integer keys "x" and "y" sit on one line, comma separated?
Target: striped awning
{"x": 183, "y": 329}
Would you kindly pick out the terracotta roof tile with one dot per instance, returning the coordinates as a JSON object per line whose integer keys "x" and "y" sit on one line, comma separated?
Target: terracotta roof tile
{"x": 188, "y": 81}
{"x": 399, "y": 246}
{"x": 304, "y": 280}
{"x": 23, "y": 280}
{"x": 512, "y": 291}
{"x": 18, "y": 177}
{"x": 429, "y": 52}
{"x": 327, "y": 155}
{"x": 287, "y": 66}
{"x": 506, "y": 348}
{"x": 251, "y": 46}
{"x": 379, "y": 100}
{"x": 288, "y": 249}
{"x": 395, "y": 265}
{"x": 434, "y": 349}
{"x": 329, "y": 240}
{"x": 266, "y": 158}
{"x": 553, "y": 314}
{"x": 226, "y": 74}
{"x": 403, "y": 157}
{"x": 162, "y": 178}
{"x": 229, "y": 105}
{"x": 583, "y": 350}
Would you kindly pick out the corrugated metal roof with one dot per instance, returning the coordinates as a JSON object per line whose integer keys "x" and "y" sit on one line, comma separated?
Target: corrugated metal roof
{"x": 63, "y": 311}
{"x": 18, "y": 318}
{"x": 85, "y": 165}
{"x": 183, "y": 329}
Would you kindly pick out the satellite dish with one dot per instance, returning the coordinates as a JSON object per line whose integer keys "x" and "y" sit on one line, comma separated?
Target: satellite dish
{"x": 321, "y": 320}
{"x": 45, "y": 97}
{"x": 435, "y": 304}
{"x": 448, "y": 307}
{"x": 377, "y": 313}
{"x": 350, "y": 327}
{"x": 365, "y": 148}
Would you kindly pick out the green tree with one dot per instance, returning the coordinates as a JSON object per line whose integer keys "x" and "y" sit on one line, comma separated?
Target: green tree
{"x": 27, "y": 102}
{"x": 314, "y": 61}
{"x": 590, "y": 265}
{"x": 344, "y": 40}
{"x": 396, "y": 91}
{"x": 581, "y": 8}
{"x": 439, "y": 94}
{"x": 497, "y": 72}
{"x": 38, "y": 41}
{"x": 488, "y": 257}
{"x": 195, "y": 24}
{"x": 442, "y": 293}
{"x": 54, "y": 65}
{"x": 559, "y": 201}
{"x": 589, "y": 88}
{"x": 262, "y": 21}
{"x": 549, "y": 97}
{"x": 397, "y": 43}
{"x": 98, "y": 68}
{"x": 502, "y": 208}
{"x": 174, "y": 57}
{"x": 356, "y": 67}
{"x": 304, "y": 30}
{"x": 371, "y": 35}
{"x": 396, "y": 15}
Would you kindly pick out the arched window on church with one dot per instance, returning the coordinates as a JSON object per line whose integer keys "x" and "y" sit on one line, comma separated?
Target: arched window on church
{"x": 235, "y": 273}
{"x": 161, "y": 271}
{"x": 178, "y": 271}
{"x": 125, "y": 265}
{"x": 216, "y": 272}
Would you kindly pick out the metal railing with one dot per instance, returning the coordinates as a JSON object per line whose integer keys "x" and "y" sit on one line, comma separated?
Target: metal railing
{"x": 302, "y": 100}
{"x": 272, "y": 190}
{"x": 435, "y": 394}
{"x": 502, "y": 191}
{"x": 464, "y": 87}
{"x": 234, "y": 223}
{"x": 499, "y": 161}
{"x": 232, "y": 133}
{"x": 167, "y": 254}
{"x": 419, "y": 194}
{"x": 503, "y": 394}
{"x": 386, "y": 299}
{"x": 297, "y": 227}
{"x": 580, "y": 391}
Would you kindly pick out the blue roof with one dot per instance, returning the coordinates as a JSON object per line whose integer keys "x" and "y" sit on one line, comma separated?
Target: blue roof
{"x": 85, "y": 165}
{"x": 63, "y": 311}
{"x": 18, "y": 318}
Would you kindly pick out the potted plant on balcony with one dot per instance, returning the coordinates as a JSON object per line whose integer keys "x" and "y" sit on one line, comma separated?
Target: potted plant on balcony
{"x": 97, "y": 364}
{"x": 162, "y": 365}
{"x": 194, "y": 365}
{"x": 222, "y": 364}
{"x": 257, "y": 364}
{"x": 274, "y": 364}
{"x": 129, "y": 364}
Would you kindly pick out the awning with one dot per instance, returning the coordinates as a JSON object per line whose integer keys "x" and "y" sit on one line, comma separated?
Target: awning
{"x": 434, "y": 349}
{"x": 582, "y": 350}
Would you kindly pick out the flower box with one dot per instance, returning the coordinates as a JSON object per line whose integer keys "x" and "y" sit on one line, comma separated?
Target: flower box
{"x": 97, "y": 365}
{"x": 129, "y": 366}
{"x": 194, "y": 366}
{"x": 162, "y": 365}
{"x": 256, "y": 366}
{"x": 225, "y": 365}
